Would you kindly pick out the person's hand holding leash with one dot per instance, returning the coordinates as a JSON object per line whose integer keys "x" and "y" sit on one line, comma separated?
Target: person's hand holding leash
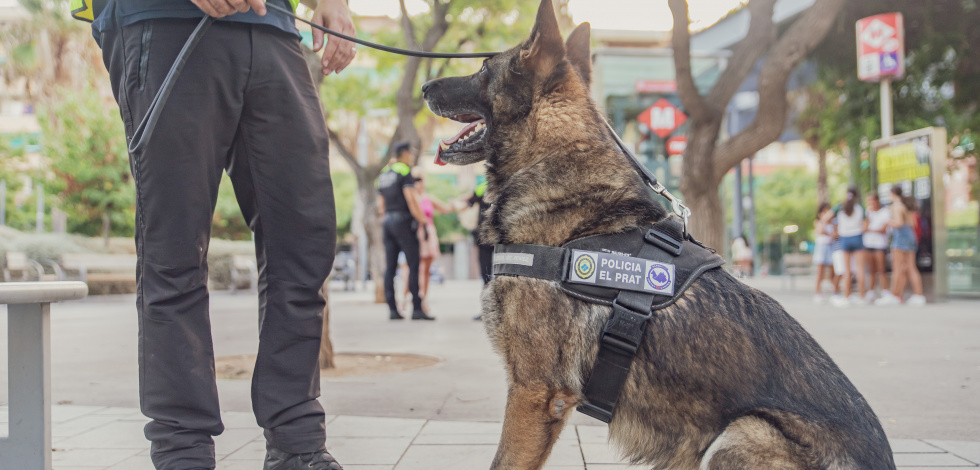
{"x": 338, "y": 52}
{"x": 220, "y": 8}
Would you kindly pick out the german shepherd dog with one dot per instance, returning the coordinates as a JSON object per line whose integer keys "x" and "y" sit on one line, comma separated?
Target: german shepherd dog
{"x": 725, "y": 378}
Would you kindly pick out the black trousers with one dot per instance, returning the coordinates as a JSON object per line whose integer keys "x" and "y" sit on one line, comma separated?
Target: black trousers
{"x": 400, "y": 237}
{"x": 245, "y": 104}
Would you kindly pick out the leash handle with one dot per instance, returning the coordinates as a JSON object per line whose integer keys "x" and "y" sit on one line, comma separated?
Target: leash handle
{"x": 394, "y": 50}
{"x": 145, "y": 129}
{"x": 676, "y": 205}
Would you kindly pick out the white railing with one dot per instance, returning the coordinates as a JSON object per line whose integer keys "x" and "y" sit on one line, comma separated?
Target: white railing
{"x": 28, "y": 446}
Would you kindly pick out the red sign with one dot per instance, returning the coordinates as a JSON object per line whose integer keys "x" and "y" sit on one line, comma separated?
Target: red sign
{"x": 662, "y": 118}
{"x": 677, "y": 145}
{"x": 656, "y": 86}
{"x": 881, "y": 47}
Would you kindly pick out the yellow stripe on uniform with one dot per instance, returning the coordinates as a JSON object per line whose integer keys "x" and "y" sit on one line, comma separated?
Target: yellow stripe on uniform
{"x": 82, "y": 10}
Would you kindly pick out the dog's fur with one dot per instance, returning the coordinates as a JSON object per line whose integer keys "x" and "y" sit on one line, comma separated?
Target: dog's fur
{"x": 725, "y": 378}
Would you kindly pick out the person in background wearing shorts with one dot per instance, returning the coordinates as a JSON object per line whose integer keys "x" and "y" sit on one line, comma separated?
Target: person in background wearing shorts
{"x": 876, "y": 244}
{"x": 904, "y": 248}
{"x": 850, "y": 229}
{"x": 823, "y": 249}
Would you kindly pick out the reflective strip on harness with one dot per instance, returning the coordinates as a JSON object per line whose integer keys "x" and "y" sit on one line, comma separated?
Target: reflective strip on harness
{"x": 621, "y": 272}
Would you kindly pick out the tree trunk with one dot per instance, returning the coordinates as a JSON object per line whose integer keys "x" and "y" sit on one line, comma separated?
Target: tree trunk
{"x": 822, "y": 195}
{"x": 326, "y": 345}
{"x": 699, "y": 185}
{"x": 372, "y": 229}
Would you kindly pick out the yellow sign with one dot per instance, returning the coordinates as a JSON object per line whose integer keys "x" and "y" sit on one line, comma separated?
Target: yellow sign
{"x": 900, "y": 163}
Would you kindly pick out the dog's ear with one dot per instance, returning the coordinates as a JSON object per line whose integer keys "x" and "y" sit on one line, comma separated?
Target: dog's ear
{"x": 577, "y": 49}
{"x": 545, "y": 48}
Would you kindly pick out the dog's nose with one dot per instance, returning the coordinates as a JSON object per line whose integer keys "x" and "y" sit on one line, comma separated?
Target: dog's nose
{"x": 427, "y": 85}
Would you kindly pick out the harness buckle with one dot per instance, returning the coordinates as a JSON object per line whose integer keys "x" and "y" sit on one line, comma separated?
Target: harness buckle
{"x": 664, "y": 241}
{"x": 624, "y": 329}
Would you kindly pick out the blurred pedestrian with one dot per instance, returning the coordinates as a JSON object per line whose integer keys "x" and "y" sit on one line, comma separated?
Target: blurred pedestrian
{"x": 741, "y": 256}
{"x": 850, "y": 229}
{"x": 823, "y": 227}
{"x": 875, "y": 241}
{"x": 398, "y": 201}
{"x": 904, "y": 248}
{"x": 427, "y": 235}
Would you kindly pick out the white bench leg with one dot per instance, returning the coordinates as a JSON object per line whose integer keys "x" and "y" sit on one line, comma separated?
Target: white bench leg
{"x": 29, "y": 358}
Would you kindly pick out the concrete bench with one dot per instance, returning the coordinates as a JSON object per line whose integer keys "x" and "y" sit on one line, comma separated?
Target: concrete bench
{"x": 28, "y": 446}
{"x": 796, "y": 264}
{"x": 100, "y": 267}
{"x": 244, "y": 268}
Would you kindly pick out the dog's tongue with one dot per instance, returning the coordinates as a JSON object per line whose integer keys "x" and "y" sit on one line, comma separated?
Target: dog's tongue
{"x": 465, "y": 130}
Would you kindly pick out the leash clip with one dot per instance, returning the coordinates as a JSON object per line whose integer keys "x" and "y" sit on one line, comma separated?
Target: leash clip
{"x": 680, "y": 209}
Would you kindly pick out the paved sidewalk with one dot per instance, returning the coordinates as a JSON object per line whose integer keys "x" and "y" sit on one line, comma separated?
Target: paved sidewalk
{"x": 110, "y": 438}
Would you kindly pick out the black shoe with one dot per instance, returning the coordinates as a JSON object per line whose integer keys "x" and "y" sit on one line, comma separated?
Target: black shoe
{"x": 421, "y": 315}
{"x": 276, "y": 459}
{"x": 394, "y": 315}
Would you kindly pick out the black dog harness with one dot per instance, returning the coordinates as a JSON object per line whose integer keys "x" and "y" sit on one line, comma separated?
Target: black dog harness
{"x": 637, "y": 272}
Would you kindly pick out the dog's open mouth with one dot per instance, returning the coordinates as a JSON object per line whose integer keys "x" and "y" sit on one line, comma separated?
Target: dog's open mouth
{"x": 470, "y": 139}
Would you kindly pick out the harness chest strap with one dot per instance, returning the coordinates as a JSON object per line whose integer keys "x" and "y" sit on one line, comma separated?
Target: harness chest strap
{"x": 636, "y": 272}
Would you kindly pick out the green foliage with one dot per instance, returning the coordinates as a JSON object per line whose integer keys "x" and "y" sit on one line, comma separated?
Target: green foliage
{"x": 786, "y": 197}
{"x": 86, "y": 145}
{"x": 344, "y": 193}
{"x": 227, "y": 221}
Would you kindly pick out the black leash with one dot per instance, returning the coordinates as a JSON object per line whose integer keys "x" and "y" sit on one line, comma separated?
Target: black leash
{"x": 393, "y": 50}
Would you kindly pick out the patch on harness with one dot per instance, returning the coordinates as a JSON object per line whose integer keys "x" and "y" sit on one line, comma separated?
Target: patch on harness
{"x": 621, "y": 272}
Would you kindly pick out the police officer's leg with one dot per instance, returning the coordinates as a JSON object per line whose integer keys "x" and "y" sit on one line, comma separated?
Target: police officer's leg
{"x": 282, "y": 178}
{"x": 409, "y": 241}
{"x": 391, "y": 263}
{"x": 176, "y": 187}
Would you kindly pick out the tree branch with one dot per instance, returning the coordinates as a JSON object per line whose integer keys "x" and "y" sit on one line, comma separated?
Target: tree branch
{"x": 408, "y": 28}
{"x": 805, "y": 33}
{"x": 345, "y": 152}
{"x": 748, "y": 51}
{"x": 693, "y": 102}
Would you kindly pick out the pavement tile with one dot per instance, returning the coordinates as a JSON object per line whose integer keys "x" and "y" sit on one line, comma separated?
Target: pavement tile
{"x": 80, "y": 425}
{"x": 234, "y": 439}
{"x": 254, "y": 450}
{"x": 912, "y": 446}
{"x": 437, "y": 439}
{"x": 241, "y": 465}
{"x": 460, "y": 427}
{"x": 368, "y": 450}
{"x": 931, "y": 460}
{"x": 114, "y": 435}
{"x": 116, "y": 410}
{"x": 600, "y": 453}
{"x": 368, "y": 467}
{"x": 238, "y": 419}
{"x": 593, "y": 434}
{"x": 565, "y": 453}
{"x": 356, "y": 426}
{"x": 62, "y": 413}
{"x": 98, "y": 458}
{"x": 139, "y": 462}
{"x": 447, "y": 457}
{"x": 964, "y": 449}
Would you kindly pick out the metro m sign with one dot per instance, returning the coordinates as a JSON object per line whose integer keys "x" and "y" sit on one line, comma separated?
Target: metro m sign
{"x": 662, "y": 118}
{"x": 881, "y": 47}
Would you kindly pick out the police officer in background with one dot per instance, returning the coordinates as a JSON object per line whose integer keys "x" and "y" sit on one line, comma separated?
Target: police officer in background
{"x": 402, "y": 218}
{"x": 486, "y": 251}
